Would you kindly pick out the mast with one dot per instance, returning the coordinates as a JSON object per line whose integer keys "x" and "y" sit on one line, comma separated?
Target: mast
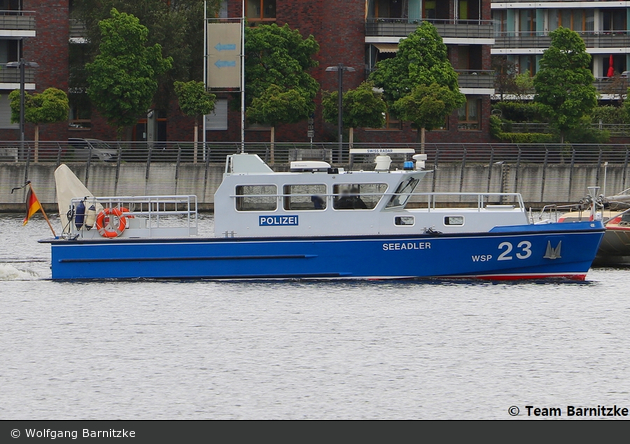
{"x": 243, "y": 77}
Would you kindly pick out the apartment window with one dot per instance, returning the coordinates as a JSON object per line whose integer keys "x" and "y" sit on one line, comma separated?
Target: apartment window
{"x": 80, "y": 116}
{"x": 435, "y": 9}
{"x": 575, "y": 19}
{"x": 499, "y": 17}
{"x": 469, "y": 114}
{"x": 527, "y": 20}
{"x": 526, "y": 63}
{"x": 5, "y": 113}
{"x": 390, "y": 124}
{"x": 10, "y": 5}
{"x": 390, "y": 8}
{"x": 261, "y": 10}
{"x": 469, "y": 9}
{"x": 614, "y": 20}
{"x": 9, "y": 50}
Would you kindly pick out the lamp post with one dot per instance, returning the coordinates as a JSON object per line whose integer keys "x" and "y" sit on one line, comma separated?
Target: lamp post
{"x": 340, "y": 68}
{"x": 21, "y": 66}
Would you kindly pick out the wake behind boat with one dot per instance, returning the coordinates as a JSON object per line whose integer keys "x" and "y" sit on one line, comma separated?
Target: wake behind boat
{"x": 315, "y": 222}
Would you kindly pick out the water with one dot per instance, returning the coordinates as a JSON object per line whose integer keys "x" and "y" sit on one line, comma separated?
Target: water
{"x": 294, "y": 350}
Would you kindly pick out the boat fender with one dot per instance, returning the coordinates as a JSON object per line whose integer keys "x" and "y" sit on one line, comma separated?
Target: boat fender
{"x": 79, "y": 215}
{"x": 90, "y": 217}
{"x": 107, "y": 229}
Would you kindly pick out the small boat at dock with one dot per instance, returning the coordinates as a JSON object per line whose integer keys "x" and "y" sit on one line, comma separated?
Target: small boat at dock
{"x": 315, "y": 222}
{"x": 614, "y": 212}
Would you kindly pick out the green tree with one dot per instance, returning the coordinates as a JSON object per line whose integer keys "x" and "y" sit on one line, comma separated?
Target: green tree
{"x": 277, "y": 60}
{"x": 363, "y": 107}
{"x": 194, "y": 101}
{"x": 122, "y": 80}
{"x": 176, "y": 25}
{"x": 278, "y": 105}
{"x": 422, "y": 59}
{"x": 427, "y": 106}
{"x": 49, "y": 106}
{"x": 564, "y": 83}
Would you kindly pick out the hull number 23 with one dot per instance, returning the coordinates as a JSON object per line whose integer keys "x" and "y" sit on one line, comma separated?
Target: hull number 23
{"x": 523, "y": 250}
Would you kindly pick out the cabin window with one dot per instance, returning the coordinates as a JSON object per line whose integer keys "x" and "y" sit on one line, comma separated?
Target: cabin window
{"x": 404, "y": 220}
{"x": 304, "y": 197}
{"x": 256, "y": 198}
{"x": 364, "y": 196}
{"x": 454, "y": 220}
{"x": 403, "y": 192}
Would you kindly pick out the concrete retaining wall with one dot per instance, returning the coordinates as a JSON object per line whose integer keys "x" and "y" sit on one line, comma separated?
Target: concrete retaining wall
{"x": 538, "y": 184}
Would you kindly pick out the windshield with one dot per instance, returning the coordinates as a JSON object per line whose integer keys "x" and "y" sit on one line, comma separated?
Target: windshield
{"x": 403, "y": 193}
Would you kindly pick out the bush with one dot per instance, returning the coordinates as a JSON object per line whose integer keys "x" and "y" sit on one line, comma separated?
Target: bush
{"x": 526, "y": 137}
{"x": 610, "y": 115}
{"x": 519, "y": 112}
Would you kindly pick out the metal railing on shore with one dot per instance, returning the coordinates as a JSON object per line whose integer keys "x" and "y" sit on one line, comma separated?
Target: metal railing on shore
{"x": 281, "y": 153}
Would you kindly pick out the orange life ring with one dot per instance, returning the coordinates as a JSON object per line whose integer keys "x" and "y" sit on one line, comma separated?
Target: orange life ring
{"x": 106, "y": 229}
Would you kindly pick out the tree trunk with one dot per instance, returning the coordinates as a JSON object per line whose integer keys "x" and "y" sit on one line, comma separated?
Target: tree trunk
{"x": 350, "y": 137}
{"x": 271, "y": 149}
{"x": 36, "y": 158}
{"x": 195, "y": 140}
{"x": 422, "y": 139}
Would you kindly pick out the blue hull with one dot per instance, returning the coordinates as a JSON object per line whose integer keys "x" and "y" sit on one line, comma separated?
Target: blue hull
{"x": 532, "y": 251}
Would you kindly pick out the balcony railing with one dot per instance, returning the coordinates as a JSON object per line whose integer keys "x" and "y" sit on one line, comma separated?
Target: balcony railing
{"x": 603, "y": 85}
{"x": 475, "y": 79}
{"x": 450, "y": 28}
{"x": 77, "y": 29}
{"x": 535, "y": 39}
{"x": 615, "y": 130}
{"x": 12, "y": 75}
{"x": 17, "y": 20}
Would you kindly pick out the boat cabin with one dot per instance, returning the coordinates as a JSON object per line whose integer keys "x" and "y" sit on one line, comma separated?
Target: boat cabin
{"x": 314, "y": 199}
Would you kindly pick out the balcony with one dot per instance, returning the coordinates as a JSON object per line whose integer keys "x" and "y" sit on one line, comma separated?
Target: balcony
{"x": 78, "y": 31}
{"x": 10, "y": 77}
{"x": 533, "y": 39}
{"x": 448, "y": 28}
{"x": 17, "y": 23}
{"x": 476, "y": 79}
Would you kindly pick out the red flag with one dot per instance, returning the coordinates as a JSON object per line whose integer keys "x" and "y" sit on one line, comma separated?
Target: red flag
{"x": 32, "y": 204}
{"x": 611, "y": 68}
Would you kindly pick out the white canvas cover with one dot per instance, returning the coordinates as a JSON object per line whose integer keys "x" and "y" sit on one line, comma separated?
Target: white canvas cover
{"x": 68, "y": 187}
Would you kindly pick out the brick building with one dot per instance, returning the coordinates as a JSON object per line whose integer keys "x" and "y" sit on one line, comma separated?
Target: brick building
{"x": 356, "y": 33}
{"x": 522, "y": 34}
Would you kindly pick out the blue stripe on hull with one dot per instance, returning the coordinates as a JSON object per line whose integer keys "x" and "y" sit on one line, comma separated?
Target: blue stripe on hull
{"x": 500, "y": 255}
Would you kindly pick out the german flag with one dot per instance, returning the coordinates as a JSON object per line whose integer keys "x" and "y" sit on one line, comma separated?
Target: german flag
{"x": 32, "y": 204}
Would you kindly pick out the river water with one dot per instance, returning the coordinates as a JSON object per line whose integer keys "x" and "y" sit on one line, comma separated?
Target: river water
{"x": 302, "y": 350}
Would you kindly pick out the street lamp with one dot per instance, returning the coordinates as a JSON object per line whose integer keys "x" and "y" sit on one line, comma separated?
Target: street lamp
{"x": 340, "y": 68}
{"x": 21, "y": 66}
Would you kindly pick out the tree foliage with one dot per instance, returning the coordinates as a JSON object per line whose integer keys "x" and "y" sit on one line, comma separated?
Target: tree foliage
{"x": 564, "y": 83}
{"x": 49, "y": 106}
{"x": 420, "y": 64}
{"x": 176, "y": 25}
{"x": 278, "y": 105}
{"x": 280, "y": 57}
{"x": 122, "y": 80}
{"x": 427, "y": 105}
{"x": 194, "y": 100}
{"x": 422, "y": 59}
{"x": 363, "y": 107}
